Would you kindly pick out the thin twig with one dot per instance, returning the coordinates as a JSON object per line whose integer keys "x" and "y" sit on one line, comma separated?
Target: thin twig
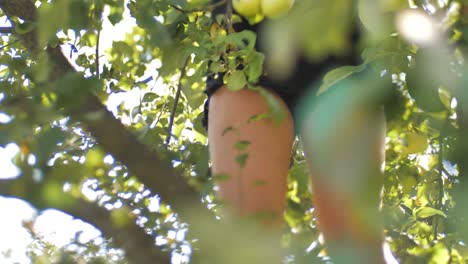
{"x": 9, "y": 44}
{"x": 229, "y": 15}
{"x": 98, "y": 19}
{"x": 6, "y": 30}
{"x": 176, "y": 101}
{"x": 98, "y": 74}
{"x": 194, "y": 10}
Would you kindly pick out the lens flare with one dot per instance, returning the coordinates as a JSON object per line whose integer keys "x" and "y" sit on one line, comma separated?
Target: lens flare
{"x": 417, "y": 26}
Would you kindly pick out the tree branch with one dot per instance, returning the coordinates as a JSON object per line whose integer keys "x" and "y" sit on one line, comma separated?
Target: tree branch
{"x": 229, "y": 16}
{"x": 139, "y": 247}
{"x": 158, "y": 176}
{"x": 176, "y": 101}
{"x": 110, "y": 133}
{"x": 6, "y": 30}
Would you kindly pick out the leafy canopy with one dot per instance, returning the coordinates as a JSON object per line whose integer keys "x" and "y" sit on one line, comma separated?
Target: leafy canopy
{"x": 56, "y": 80}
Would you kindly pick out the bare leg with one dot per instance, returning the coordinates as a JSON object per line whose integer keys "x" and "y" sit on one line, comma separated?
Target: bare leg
{"x": 257, "y": 168}
{"x": 345, "y": 164}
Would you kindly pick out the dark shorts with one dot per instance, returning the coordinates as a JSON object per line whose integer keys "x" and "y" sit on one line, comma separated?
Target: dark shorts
{"x": 290, "y": 90}
{"x": 303, "y": 82}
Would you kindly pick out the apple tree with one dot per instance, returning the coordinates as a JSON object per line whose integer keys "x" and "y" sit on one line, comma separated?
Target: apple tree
{"x": 109, "y": 129}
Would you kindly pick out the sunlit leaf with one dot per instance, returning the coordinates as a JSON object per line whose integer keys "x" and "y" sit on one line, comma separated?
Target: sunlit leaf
{"x": 338, "y": 74}
{"x": 235, "y": 81}
{"x": 425, "y": 212}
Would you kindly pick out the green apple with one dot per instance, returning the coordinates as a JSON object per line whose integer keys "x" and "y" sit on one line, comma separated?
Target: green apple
{"x": 247, "y": 8}
{"x": 276, "y": 8}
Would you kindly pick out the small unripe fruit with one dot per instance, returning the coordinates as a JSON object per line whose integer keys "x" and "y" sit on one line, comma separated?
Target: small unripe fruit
{"x": 276, "y": 8}
{"x": 247, "y": 8}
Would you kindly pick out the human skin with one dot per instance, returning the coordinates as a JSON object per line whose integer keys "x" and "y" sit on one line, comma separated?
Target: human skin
{"x": 259, "y": 188}
{"x": 346, "y": 182}
{"x": 347, "y": 216}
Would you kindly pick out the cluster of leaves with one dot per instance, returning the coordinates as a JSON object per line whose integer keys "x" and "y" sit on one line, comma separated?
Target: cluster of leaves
{"x": 76, "y": 251}
{"x": 163, "y": 61}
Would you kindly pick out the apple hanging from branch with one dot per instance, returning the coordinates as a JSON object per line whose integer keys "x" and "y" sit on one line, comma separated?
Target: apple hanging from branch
{"x": 247, "y": 8}
{"x": 268, "y": 8}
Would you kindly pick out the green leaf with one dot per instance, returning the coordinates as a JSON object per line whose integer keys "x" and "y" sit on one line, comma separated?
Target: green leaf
{"x": 278, "y": 114}
{"x": 260, "y": 183}
{"x": 258, "y": 117}
{"x": 243, "y": 40}
{"x": 242, "y": 159}
{"x": 94, "y": 158}
{"x": 228, "y": 129}
{"x": 440, "y": 254}
{"x": 425, "y": 212}
{"x": 220, "y": 177}
{"x": 70, "y": 172}
{"x": 53, "y": 195}
{"x": 242, "y": 145}
{"x": 79, "y": 10}
{"x": 255, "y": 67}
{"x": 338, "y": 74}
{"x": 23, "y": 28}
{"x": 424, "y": 90}
{"x": 235, "y": 81}
{"x": 52, "y": 18}
{"x": 300, "y": 173}
{"x": 149, "y": 97}
{"x": 122, "y": 48}
{"x": 4, "y": 138}
{"x": 217, "y": 66}
{"x": 47, "y": 142}
{"x": 415, "y": 143}
{"x": 41, "y": 69}
{"x": 73, "y": 88}
{"x": 202, "y": 161}
{"x": 121, "y": 217}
